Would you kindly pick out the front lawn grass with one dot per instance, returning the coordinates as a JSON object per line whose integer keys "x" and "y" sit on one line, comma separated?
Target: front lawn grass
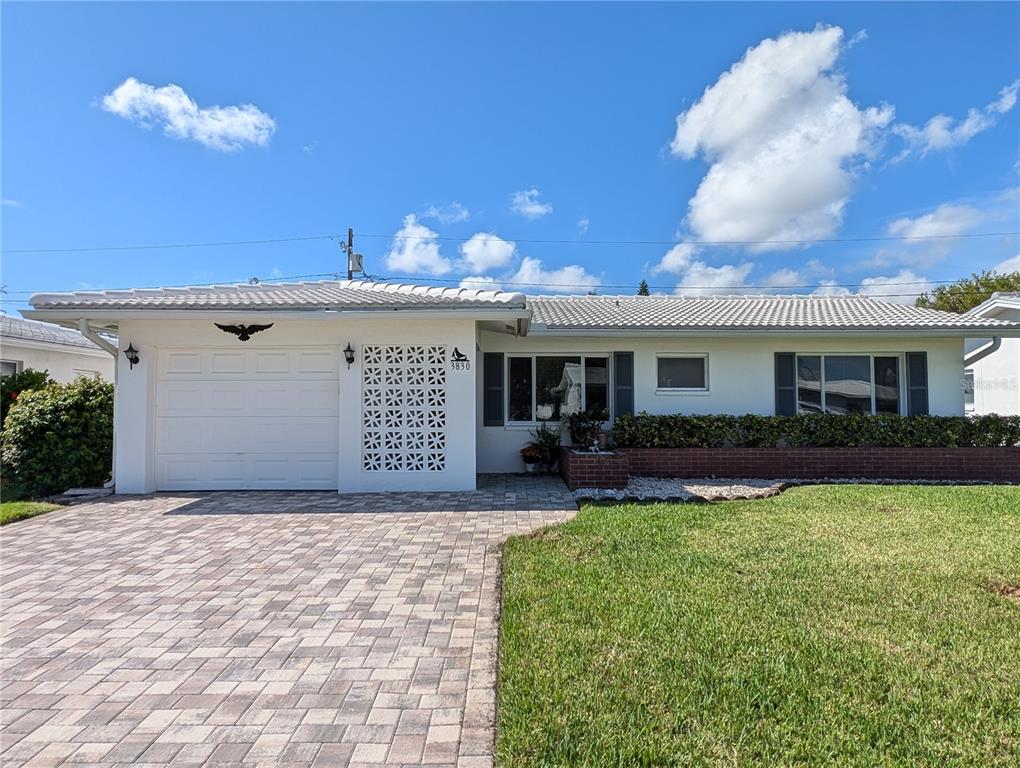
{"x": 830, "y": 625}
{"x": 19, "y": 510}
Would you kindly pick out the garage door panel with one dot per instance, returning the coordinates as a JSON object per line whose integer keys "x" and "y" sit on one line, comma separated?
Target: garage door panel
{"x": 227, "y": 363}
{"x": 180, "y": 364}
{"x": 272, "y": 362}
{"x": 323, "y": 362}
{"x": 213, "y": 472}
{"x": 207, "y": 364}
{"x": 247, "y": 418}
{"x": 295, "y": 398}
{"x": 246, "y": 436}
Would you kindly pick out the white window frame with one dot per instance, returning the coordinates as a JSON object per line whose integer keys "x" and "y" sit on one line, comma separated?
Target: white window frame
{"x": 19, "y": 366}
{"x": 607, "y": 356}
{"x": 969, "y": 407}
{"x": 901, "y": 373}
{"x": 682, "y": 390}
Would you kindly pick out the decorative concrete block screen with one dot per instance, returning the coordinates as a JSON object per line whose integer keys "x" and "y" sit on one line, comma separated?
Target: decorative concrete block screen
{"x": 403, "y": 424}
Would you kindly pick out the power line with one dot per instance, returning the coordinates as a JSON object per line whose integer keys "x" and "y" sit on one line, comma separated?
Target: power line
{"x": 170, "y": 245}
{"x": 700, "y": 243}
{"x": 706, "y": 243}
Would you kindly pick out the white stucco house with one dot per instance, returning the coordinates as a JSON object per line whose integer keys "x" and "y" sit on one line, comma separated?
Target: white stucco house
{"x": 994, "y": 380}
{"x": 361, "y": 386}
{"x": 63, "y": 352}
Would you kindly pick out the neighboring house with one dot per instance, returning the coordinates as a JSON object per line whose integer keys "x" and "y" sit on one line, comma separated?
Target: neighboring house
{"x": 362, "y": 386}
{"x": 65, "y": 353}
{"x": 994, "y": 381}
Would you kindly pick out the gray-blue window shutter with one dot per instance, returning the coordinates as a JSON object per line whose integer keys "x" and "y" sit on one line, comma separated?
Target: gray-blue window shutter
{"x": 492, "y": 389}
{"x": 786, "y": 384}
{"x": 623, "y": 387}
{"x": 917, "y": 383}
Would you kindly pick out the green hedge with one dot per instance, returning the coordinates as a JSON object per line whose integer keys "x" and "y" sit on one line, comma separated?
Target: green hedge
{"x": 644, "y": 430}
{"x": 57, "y": 438}
{"x": 12, "y": 386}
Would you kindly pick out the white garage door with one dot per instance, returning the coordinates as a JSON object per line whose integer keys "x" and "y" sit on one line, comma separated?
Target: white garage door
{"x": 247, "y": 418}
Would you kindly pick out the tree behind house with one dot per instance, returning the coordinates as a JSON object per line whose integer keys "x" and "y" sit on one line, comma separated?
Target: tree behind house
{"x": 642, "y": 289}
{"x": 968, "y": 292}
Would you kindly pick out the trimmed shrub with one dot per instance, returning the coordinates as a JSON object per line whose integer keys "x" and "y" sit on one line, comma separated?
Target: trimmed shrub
{"x": 57, "y": 438}
{"x": 644, "y": 430}
{"x": 12, "y": 386}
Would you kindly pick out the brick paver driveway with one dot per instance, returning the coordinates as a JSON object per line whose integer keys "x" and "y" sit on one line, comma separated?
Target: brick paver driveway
{"x": 260, "y": 628}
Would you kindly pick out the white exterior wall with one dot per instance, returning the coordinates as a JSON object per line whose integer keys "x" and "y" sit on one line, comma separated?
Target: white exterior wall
{"x": 741, "y": 375}
{"x": 997, "y": 377}
{"x": 63, "y": 362}
{"x": 136, "y": 407}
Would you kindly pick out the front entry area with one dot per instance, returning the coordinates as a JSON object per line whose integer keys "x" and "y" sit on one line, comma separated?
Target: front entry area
{"x": 257, "y": 418}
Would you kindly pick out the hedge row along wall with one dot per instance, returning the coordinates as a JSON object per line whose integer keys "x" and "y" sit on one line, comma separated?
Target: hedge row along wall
{"x": 940, "y": 448}
{"x": 644, "y": 430}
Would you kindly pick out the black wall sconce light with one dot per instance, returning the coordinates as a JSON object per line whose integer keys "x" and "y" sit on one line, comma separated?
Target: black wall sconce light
{"x": 349, "y": 356}
{"x": 131, "y": 354}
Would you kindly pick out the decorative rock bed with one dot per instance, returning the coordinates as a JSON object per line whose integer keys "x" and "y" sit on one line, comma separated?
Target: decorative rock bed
{"x": 679, "y": 489}
{"x": 709, "y": 489}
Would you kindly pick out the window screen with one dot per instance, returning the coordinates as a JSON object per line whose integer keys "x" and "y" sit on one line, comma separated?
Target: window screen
{"x": 681, "y": 373}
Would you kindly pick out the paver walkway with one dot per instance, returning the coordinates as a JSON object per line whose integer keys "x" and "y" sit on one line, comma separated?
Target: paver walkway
{"x": 259, "y": 628}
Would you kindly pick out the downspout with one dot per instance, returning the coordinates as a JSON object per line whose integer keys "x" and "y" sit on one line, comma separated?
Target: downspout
{"x": 99, "y": 341}
{"x": 982, "y": 352}
{"x": 95, "y": 338}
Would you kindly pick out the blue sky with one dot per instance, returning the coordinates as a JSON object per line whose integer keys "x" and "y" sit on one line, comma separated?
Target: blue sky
{"x": 544, "y": 148}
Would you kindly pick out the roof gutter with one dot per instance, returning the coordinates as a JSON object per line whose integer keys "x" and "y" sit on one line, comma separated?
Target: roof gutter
{"x": 982, "y": 352}
{"x": 95, "y": 338}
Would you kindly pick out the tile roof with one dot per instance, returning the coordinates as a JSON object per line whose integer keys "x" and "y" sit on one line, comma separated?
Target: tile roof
{"x": 343, "y": 294}
{"x": 743, "y": 312}
{"x": 32, "y": 330}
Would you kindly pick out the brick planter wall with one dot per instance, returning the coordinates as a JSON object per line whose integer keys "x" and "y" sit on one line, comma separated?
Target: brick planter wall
{"x": 612, "y": 470}
{"x": 594, "y": 470}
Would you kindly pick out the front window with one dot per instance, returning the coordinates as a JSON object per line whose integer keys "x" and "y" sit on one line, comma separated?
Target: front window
{"x": 549, "y": 387}
{"x": 848, "y": 384}
{"x": 9, "y": 368}
{"x": 968, "y": 389}
{"x": 686, "y": 372}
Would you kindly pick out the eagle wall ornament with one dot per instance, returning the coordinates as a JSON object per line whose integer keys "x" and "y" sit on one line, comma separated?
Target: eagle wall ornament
{"x": 243, "y": 332}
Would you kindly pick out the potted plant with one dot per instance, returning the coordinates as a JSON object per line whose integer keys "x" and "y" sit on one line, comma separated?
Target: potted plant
{"x": 586, "y": 426}
{"x": 531, "y": 454}
{"x": 548, "y": 442}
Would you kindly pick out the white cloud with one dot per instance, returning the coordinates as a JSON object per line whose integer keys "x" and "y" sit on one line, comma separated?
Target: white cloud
{"x": 676, "y": 260}
{"x": 702, "y": 280}
{"x": 857, "y": 38}
{"x": 275, "y": 273}
{"x": 783, "y": 279}
{"x": 526, "y": 203}
{"x": 582, "y": 225}
{"x": 1009, "y": 265}
{"x": 484, "y": 250}
{"x": 943, "y": 132}
{"x": 945, "y": 221}
{"x": 816, "y": 268}
{"x": 782, "y": 139}
{"x": 416, "y": 249}
{"x": 829, "y": 288}
{"x": 901, "y": 288}
{"x": 451, "y": 213}
{"x": 11, "y": 203}
{"x": 227, "y": 129}
{"x": 480, "y": 282}
{"x": 531, "y": 275}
